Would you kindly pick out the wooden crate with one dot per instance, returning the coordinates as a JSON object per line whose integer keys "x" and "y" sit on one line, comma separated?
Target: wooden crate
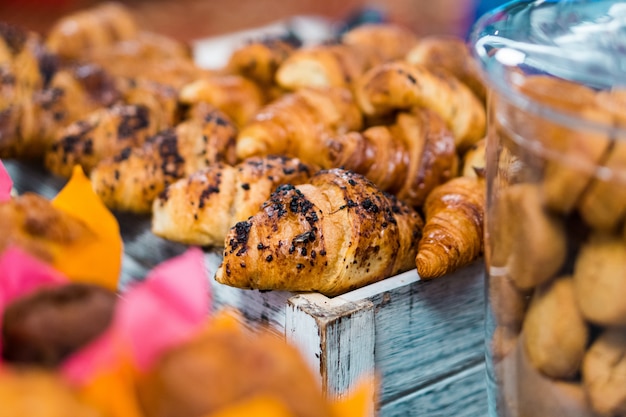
{"x": 423, "y": 338}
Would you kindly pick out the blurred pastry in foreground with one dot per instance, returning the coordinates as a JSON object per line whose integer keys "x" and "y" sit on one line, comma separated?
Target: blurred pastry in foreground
{"x": 336, "y": 233}
{"x": 133, "y": 178}
{"x": 226, "y": 365}
{"x": 200, "y": 209}
{"x": 45, "y": 327}
{"x": 33, "y": 393}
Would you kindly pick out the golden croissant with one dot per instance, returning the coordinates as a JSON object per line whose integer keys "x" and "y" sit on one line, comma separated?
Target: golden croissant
{"x": 298, "y": 124}
{"x": 453, "y": 232}
{"x": 133, "y": 178}
{"x": 332, "y": 235}
{"x": 201, "y": 209}
{"x": 400, "y": 85}
{"x": 407, "y": 159}
{"x": 388, "y": 41}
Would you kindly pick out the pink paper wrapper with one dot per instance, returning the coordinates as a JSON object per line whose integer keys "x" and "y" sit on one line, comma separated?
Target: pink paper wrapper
{"x": 169, "y": 307}
{"x": 5, "y": 184}
{"x": 21, "y": 274}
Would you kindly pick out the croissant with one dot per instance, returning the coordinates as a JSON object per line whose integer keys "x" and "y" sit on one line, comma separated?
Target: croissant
{"x": 449, "y": 53}
{"x": 235, "y": 95}
{"x": 31, "y": 125}
{"x": 133, "y": 178}
{"x": 453, "y": 233}
{"x": 96, "y": 27}
{"x": 407, "y": 159}
{"x": 104, "y": 133}
{"x": 259, "y": 60}
{"x": 400, "y": 85}
{"x": 298, "y": 124}
{"x": 387, "y": 40}
{"x": 334, "y": 234}
{"x": 327, "y": 65}
{"x": 200, "y": 209}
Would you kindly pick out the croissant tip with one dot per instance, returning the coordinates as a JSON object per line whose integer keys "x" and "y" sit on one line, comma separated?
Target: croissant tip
{"x": 429, "y": 265}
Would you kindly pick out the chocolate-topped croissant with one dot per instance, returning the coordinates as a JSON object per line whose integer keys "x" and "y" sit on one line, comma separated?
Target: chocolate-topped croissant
{"x": 201, "y": 209}
{"x": 134, "y": 177}
{"x": 334, "y": 234}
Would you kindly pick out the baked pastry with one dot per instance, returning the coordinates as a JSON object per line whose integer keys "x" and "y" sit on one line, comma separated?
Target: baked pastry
{"x": 399, "y": 86}
{"x": 388, "y": 41}
{"x": 36, "y": 393}
{"x": 97, "y": 27}
{"x": 298, "y": 124}
{"x": 133, "y": 178}
{"x": 104, "y": 133}
{"x": 225, "y": 365}
{"x": 334, "y": 234}
{"x": 451, "y": 54}
{"x": 555, "y": 332}
{"x": 323, "y": 66}
{"x": 30, "y": 222}
{"x": 259, "y": 60}
{"x": 45, "y": 327}
{"x": 201, "y": 209}
{"x": 407, "y": 159}
{"x": 235, "y": 95}
{"x": 74, "y": 232}
{"x": 453, "y": 232}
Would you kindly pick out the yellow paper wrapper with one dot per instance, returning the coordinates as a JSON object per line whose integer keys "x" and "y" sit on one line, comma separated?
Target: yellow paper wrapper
{"x": 97, "y": 260}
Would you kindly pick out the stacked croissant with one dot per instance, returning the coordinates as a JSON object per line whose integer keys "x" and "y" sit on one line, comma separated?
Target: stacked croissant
{"x": 318, "y": 168}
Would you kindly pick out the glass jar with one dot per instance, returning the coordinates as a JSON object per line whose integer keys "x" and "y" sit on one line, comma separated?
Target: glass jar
{"x": 555, "y": 245}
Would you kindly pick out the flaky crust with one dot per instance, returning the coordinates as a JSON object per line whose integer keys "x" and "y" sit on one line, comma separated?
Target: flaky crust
{"x": 387, "y": 40}
{"x": 327, "y": 65}
{"x": 132, "y": 179}
{"x": 453, "y": 233}
{"x": 102, "y": 134}
{"x": 298, "y": 125}
{"x": 407, "y": 159}
{"x": 202, "y": 208}
{"x": 452, "y": 54}
{"x": 399, "y": 85}
{"x": 332, "y": 235}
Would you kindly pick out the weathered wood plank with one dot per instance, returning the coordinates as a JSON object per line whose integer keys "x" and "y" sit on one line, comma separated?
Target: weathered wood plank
{"x": 335, "y": 336}
{"x": 427, "y": 329}
{"x": 461, "y": 395}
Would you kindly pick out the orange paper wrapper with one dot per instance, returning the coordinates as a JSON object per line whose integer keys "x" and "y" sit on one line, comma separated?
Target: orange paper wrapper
{"x": 5, "y": 184}
{"x": 99, "y": 260}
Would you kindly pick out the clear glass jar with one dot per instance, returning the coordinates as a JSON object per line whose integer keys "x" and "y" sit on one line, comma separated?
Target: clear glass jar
{"x": 555, "y": 243}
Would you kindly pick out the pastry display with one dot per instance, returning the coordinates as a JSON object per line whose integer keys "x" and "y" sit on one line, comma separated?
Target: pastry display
{"x": 311, "y": 166}
{"x": 333, "y": 234}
